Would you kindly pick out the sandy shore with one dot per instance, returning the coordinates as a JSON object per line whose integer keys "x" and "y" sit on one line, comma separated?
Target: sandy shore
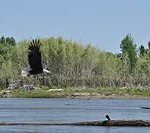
{"x": 102, "y": 96}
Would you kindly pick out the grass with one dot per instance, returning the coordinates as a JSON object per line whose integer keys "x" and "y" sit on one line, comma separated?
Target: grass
{"x": 76, "y": 92}
{"x": 37, "y": 94}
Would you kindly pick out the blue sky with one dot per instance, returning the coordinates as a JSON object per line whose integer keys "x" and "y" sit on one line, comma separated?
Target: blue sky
{"x": 103, "y": 23}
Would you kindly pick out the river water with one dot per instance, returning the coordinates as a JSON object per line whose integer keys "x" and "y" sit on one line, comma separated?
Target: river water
{"x": 71, "y": 110}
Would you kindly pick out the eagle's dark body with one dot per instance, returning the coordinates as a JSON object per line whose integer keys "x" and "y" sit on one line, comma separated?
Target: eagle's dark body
{"x": 34, "y": 57}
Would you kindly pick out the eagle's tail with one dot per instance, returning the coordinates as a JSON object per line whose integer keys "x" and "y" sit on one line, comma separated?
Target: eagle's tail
{"x": 46, "y": 71}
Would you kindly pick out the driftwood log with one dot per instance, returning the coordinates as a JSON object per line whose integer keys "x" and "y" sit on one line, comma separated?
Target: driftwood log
{"x": 145, "y": 107}
{"x": 136, "y": 123}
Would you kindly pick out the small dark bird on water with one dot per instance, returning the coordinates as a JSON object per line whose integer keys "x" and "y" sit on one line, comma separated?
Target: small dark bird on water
{"x": 34, "y": 58}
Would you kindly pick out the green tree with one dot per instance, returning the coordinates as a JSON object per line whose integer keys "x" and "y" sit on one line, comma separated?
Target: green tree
{"x": 10, "y": 41}
{"x": 128, "y": 49}
{"x": 6, "y": 46}
{"x": 142, "y": 50}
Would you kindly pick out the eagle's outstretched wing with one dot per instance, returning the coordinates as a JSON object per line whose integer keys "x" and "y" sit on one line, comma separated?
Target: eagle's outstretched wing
{"x": 34, "y": 57}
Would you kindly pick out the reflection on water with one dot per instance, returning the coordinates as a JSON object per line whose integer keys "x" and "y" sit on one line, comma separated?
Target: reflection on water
{"x": 70, "y": 110}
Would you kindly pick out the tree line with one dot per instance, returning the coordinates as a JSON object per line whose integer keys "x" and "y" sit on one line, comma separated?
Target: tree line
{"x": 73, "y": 64}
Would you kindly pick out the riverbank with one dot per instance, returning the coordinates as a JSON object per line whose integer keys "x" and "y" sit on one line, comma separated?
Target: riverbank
{"x": 141, "y": 93}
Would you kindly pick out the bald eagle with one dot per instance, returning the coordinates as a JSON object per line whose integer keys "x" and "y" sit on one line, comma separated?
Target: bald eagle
{"x": 34, "y": 58}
